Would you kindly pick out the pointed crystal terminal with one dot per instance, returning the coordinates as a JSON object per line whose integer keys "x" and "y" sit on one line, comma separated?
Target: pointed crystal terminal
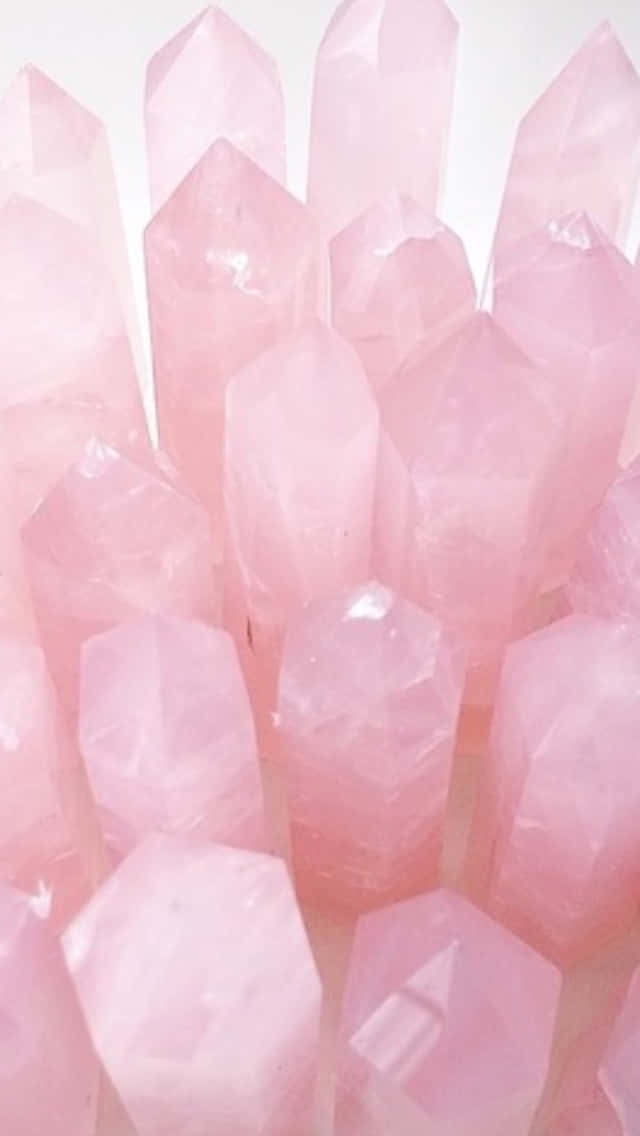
{"x": 198, "y": 985}
{"x": 233, "y": 264}
{"x": 166, "y": 732}
{"x": 399, "y": 277}
{"x": 381, "y": 106}
{"x": 578, "y": 147}
{"x": 211, "y": 81}
{"x": 606, "y": 577}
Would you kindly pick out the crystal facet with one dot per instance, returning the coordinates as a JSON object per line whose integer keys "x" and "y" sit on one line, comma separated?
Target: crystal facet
{"x": 381, "y": 106}
{"x": 211, "y": 81}
{"x": 198, "y": 984}
{"x": 606, "y": 578}
{"x": 619, "y": 1072}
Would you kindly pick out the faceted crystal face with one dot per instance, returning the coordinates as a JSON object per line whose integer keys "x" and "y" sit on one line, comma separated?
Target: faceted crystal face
{"x": 619, "y": 1072}
{"x": 452, "y": 1016}
{"x": 112, "y": 540}
{"x": 578, "y": 147}
{"x": 199, "y": 988}
{"x": 166, "y": 732}
{"x": 464, "y": 487}
{"x": 606, "y": 578}
{"x": 211, "y": 81}
{"x": 566, "y": 295}
{"x": 399, "y": 277}
{"x": 68, "y": 371}
{"x": 560, "y": 803}
{"x": 16, "y": 611}
{"x": 49, "y": 1075}
{"x": 233, "y": 264}
{"x": 370, "y": 689}
{"x": 381, "y": 106}
{"x": 301, "y": 410}
{"x": 595, "y": 1116}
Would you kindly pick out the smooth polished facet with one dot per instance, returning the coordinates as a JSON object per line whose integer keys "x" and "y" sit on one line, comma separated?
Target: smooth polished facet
{"x": 606, "y": 578}
{"x": 369, "y": 694}
{"x": 166, "y": 732}
{"x": 233, "y": 265}
{"x": 198, "y": 985}
{"x": 211, "y": 81}
{"x": 619, "y": 1073}
{"x": 399, "y": 277}
{"x": 381, "y": 106}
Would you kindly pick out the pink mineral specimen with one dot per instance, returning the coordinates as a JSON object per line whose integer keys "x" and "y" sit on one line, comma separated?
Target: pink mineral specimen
{"x": 233, "y": 264}
{"x": 557, "y": 814}
{"x": 197, "y": 981}
{"x": 211, "y": 81}
{"x": 370, "y": 690}
{"x": 619, "y": 1073}
{"x": 578, "y": 147}
{"x": 399, "y": 277}
{"x": 464, "y": 488}
{"x": 452, "y": 1017}
{"x": 49, "y": 1073}
{"x": 606, "y": 577}
{"x": 111, "y": 540}
{"x": 381, "y": 106}
{"x": 566, "y": 295}
{"x": 16, "y": 609}
{"x": 66, "y": 364}
{"x": 166, "y": 732}
{"x": 300, "y": 469}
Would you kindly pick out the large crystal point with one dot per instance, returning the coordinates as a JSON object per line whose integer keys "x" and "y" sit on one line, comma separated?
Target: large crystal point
{"x": 211, "y": 81}
{"x": 381, "y": 106}
{"x": 233, "y": 264}
{"x": 198, "y": 985}
{"x": 370, "y": 689}
{"x": 606, "y": 577}
{"x": 578, "y": 147}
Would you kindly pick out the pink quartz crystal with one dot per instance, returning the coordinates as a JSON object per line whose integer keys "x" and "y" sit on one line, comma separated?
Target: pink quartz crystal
{"x": 49, "y": 1074}
{"x": 16, "y": 609}
{"x": 621, "y": 1065}
{"x": 606, "y": 578}
{"x": 370, "y": 690}
{"x": 566, "y": 295}
{"x": 233, "y": 264}
{"x": 302, "y": 438}
{"x": 399, "y": 277}
{"x": 464, "y": 487}
{"x": 66, "y": 365}
{"x": 198, "y": 985}
{"x": 578, "y": 147}
{"x": 211, "y": 81}
{"x": 452, "y": 1017}
{"x": 557, "y": 813}
{"x": 381, "y": 106}
{"x": 166, "y": 732}
{"x": 112, "y": 540}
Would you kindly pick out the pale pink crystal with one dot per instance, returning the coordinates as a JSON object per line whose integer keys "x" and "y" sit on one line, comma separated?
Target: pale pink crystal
{"x": 606, "y": 578}
{"x": 166, "y": 732}
{"x": 578, "y": 147}
{"x": 619, "y": 1073}
{"x": 594, "y": 1116}
{"x": 49, "y": 1074}
{"x": 369, "y": 694}
{"x": 16, "y": 609}
{"x": 381, "y": 106}
{"x": 233, "y": 264}
{"x": 67, "y": 369}
{"x": 453, "y": 1017}
{"x": 198, "y": 984}
{"x": 557, "y": 814}
{"x": 464, "y": 484}
{"x": 399, "y": 277}
{"x": 211, "y": 81}
{"x": 112, "y": 540}
{"x": 566, "y": 296}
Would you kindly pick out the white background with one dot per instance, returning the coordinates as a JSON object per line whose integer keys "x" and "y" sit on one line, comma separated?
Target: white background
{"x": 509, "y": 51}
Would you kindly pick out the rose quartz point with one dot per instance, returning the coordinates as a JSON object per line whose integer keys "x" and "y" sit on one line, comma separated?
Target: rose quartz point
{"x": 166, "y": 732}
{"x": 557, "y": 813}
{"x": 370, "y": 690}
{"x": 381, "y": 106}
{"x": 578, "y": 147}
{"x": 593, "y": 1116}
{"x": 399, "y": 277}
{"x": 211, "y": 81}
{"x": 619, "y": 1073}
{"x": 198, "y": 985}
{"x": 606, "y": 578}
{"x": 49, "y": 1074}
{"x": 451, "y": 1017}
{"x": 110, "y": 541}
{"x": 233, "y": 265}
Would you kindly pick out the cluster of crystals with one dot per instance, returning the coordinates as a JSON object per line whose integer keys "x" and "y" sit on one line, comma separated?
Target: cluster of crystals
{"x": 318, "y": 722}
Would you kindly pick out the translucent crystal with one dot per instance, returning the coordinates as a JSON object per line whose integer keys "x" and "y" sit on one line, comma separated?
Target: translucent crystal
{"x": 606, "y": 578}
